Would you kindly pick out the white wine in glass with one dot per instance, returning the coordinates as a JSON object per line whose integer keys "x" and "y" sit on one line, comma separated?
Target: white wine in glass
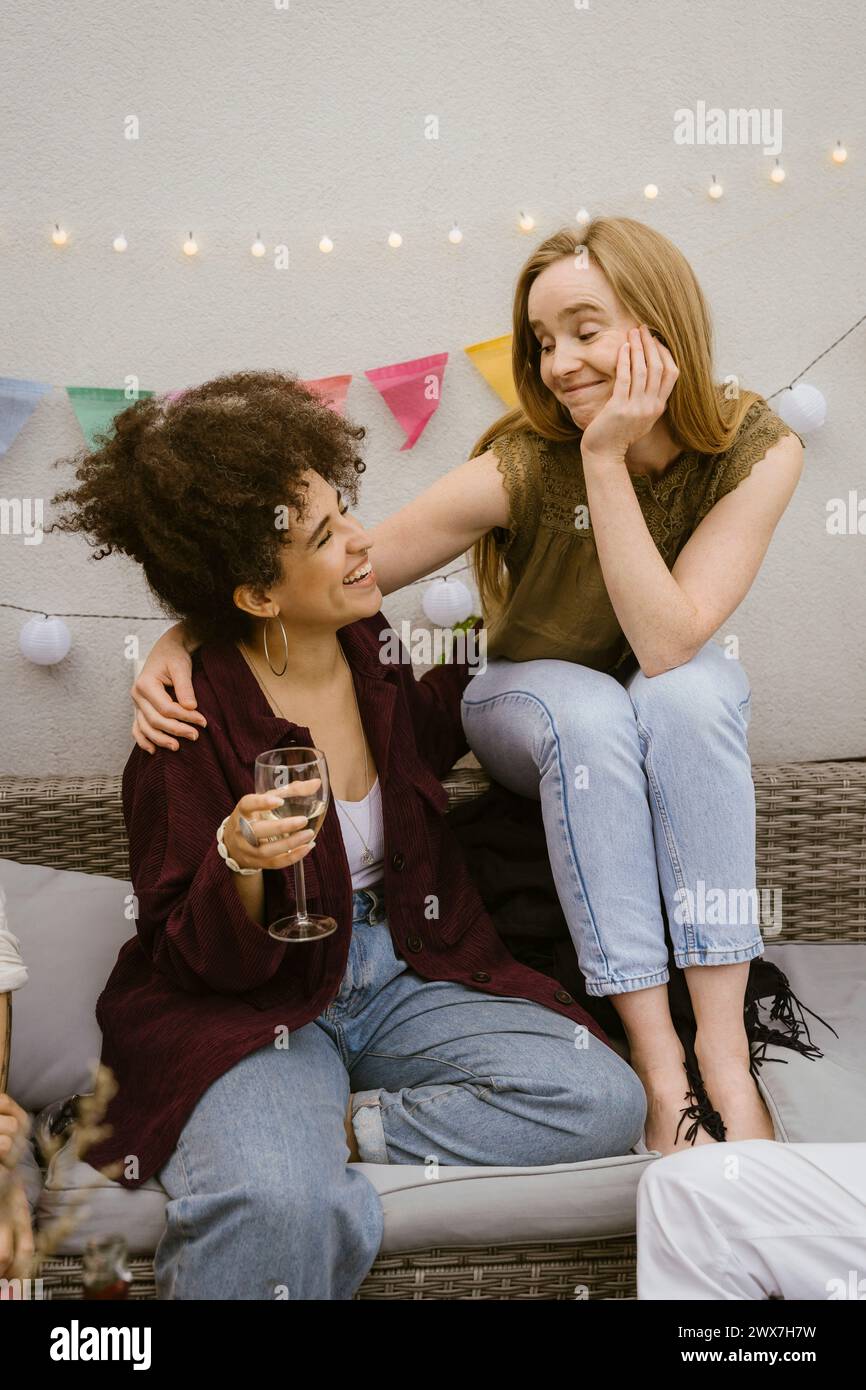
{"x": 300, "y": 775}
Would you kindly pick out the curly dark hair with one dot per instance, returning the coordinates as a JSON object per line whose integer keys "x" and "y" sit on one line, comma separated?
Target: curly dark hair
{"x": 189, "y": 488}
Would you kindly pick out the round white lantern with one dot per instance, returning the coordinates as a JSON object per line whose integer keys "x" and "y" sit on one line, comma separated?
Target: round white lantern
{"x": 45, "y": 640}
{"x": 447, "y": 602}
{"x": 803, "y": 407}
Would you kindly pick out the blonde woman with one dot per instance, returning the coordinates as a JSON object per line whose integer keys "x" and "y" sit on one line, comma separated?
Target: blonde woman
{"x": 618, "y": 517}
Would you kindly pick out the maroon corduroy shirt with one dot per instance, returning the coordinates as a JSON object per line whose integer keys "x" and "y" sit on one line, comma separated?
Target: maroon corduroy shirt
{"x": 202, "y": 984}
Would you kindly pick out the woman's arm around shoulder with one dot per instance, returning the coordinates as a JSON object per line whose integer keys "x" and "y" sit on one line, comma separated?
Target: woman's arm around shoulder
{"x": 158, "y": 719}
{"x": 440, "y": 524}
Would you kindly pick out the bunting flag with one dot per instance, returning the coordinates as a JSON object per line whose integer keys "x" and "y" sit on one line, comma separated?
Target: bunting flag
{"x": 412, "y": 391}
{"x": 493, "y": 360}
{"x": 332, "y": 390}
{"x": 18, "y": 400}
{"x": 96, "y": 407}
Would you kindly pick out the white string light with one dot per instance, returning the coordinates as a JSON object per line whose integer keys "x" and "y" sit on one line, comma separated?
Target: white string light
{"x": 526, "y": 222}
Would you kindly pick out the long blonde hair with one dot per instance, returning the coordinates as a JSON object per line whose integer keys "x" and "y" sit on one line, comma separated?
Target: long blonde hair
{"x": 656, "y": 285}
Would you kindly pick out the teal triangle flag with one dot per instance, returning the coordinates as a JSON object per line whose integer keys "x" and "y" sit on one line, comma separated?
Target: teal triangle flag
{"x": 96, "y": 407}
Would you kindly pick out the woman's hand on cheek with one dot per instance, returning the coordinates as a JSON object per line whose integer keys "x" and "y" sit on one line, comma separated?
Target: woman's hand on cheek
{"x": 645, "y": 376}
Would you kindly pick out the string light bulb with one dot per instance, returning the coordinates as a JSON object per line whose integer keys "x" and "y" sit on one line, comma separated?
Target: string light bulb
{"x": 326, "y": 245}
{"x": 190, "y": 246}
{"x": 651, "y": 191}
{"x": 715, "y": 189}
{"x": 455, "y": 236}
{"x": 258, "y": 247}
{"x": 840, "y": 154}
{"x": 59, "y": 236}
{"x": 395, "y": 239}
{"x": 582, "y": 218}
{"x": 120, "y": 243}
{"x": 777, "y": 173}
{"x": 526, "y": 222}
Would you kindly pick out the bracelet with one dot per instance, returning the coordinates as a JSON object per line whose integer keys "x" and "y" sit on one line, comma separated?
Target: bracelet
{"x": 232, "y": 863}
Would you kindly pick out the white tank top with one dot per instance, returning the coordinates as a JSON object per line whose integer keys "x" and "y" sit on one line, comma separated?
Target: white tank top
{"x": 367, "y": 816}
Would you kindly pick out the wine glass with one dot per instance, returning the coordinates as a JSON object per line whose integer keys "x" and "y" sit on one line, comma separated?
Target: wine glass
{"x": 300, "y": 775}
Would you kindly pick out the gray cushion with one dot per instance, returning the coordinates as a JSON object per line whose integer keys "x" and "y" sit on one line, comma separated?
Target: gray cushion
{"x": 70, "y": 927}
{"x": 820, "y": 1100}
{"x": 463, "y": 1206}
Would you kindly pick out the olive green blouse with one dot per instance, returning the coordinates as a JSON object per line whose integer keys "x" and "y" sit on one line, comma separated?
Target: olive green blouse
{"x": 559, "y": 605}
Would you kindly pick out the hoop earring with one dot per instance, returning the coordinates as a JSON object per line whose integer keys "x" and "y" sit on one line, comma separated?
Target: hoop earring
{"x": 285, "y": 645}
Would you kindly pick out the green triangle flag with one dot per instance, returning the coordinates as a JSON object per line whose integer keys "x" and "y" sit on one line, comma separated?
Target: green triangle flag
{"x": 96, "y": 407}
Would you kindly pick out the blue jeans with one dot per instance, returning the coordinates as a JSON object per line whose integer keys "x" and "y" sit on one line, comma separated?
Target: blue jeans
{"x": 644, "y": 783}
{"x": 263, "y": 1204}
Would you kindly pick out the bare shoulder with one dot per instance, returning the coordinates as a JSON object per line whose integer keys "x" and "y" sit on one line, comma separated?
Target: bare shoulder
{"x": 780, "y": 468}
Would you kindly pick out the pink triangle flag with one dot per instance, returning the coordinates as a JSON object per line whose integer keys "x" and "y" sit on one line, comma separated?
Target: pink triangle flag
{"x": 412, "y": 391}
{"x": 332, "y": 390}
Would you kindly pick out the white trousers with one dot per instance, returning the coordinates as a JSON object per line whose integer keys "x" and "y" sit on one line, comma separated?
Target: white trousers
{"x": 753, "y": 1219}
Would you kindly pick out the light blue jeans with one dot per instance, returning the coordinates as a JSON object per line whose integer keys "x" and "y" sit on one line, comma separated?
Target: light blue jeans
{"x": 644, "y": 783}
{"x": 263, "y": 1204}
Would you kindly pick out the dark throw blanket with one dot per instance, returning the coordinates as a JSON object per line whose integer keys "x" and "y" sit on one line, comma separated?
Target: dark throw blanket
{"x": 503, "y": 840}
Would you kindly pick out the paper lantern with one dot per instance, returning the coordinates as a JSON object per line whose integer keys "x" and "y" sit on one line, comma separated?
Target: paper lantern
{"x": 803, "y": 407}
{"x": 45, "y": 640}
{"x": 447, "y": 602}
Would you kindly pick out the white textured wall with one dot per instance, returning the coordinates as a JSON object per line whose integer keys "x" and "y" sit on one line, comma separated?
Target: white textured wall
{"x": 295, "y": 121}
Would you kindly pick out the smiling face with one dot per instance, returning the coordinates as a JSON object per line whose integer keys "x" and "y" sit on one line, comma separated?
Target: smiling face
{"x": 581, "y": 326}
{"x": 325, "y": 547}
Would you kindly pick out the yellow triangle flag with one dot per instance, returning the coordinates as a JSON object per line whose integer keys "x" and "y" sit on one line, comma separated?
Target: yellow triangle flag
{"x": 493, "y": 360}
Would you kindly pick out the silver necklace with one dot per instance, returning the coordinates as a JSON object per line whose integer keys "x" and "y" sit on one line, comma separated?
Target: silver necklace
{"x": 368, "y": 857}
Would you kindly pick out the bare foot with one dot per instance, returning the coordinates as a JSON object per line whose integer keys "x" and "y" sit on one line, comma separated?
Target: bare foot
{"x": 734, "y": 1093}
{"x": 667, "y": 1093}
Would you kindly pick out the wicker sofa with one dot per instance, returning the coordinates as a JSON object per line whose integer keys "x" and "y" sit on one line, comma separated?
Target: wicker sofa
{"x": 811, "y": 844}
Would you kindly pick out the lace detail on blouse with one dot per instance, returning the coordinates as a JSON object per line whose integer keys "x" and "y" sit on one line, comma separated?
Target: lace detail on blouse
{"x": 760, "y": 430}
{"x": 672, "y": 504}
{"x": 517, "y": 461}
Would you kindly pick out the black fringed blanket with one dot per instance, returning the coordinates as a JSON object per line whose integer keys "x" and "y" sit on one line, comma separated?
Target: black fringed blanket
{"x": 503, "y": 841}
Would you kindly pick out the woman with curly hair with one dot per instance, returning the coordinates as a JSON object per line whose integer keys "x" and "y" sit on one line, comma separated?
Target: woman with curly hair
{"x": 618, "y": 516}
{"x": 234, "y": 1052}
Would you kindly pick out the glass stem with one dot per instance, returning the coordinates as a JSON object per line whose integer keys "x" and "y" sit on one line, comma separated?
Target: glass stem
{"x": 300, "y": 891}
